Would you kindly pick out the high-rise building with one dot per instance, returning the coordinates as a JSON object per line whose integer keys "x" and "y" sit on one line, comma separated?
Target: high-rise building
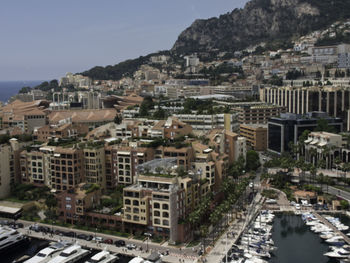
{"x": 287, "y": 129}
{"x": 335, "y": 101}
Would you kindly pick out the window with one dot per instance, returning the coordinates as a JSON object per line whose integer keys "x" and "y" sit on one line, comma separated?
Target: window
{"x": 165, "y": 214}
{"x": 165, "y": 206}
{"x": 156, "y": 205}
{"x": 135, "y": 202}
{"x": 156, "y": 213}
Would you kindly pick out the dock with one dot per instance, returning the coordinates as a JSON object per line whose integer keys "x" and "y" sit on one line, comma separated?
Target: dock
{"x": 327, "y": 223}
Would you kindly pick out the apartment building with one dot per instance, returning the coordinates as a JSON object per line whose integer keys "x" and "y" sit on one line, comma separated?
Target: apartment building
{"x": 125, "y": 160}
{"x": 184, "y": 155}
{"x": 75, "y": 203}
{"x": 256, "y": 136}
{"x": 333, "y": 100}
{"x": 9, "y": 166}
{"x": 316, "y": 144}
{"x": 95, "y": 164}
{"x": 33, "y": 168}
{"x": 156, "y": 202}
{"x": 258, "y": 114}
{"x": 67, "y": 168}
{"x": 203, "y": 164}
{"x": 25, "y": 115}
{"x": 111, "y": 177}
{"x": 66, "y": 130}
{"x": 170, "y": 129}
{"x": 205, "y": 123}
{"x": 227, "y": 142}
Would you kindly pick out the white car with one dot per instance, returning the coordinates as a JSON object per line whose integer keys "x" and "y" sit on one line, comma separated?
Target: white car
{"x": 271, "y": 201}
{"x": 97, "y": 239}
{"x": 297, "y": 206}
{"x": 130, "y": 246}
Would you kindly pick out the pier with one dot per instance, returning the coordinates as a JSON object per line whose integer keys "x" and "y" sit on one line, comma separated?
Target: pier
{"x": 327, "y": 223}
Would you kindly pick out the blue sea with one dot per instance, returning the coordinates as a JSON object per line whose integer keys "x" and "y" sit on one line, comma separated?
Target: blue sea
{"x": 10, "y": 88}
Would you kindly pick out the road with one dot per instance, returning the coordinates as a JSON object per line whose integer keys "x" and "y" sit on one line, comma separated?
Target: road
{"x": 337, "y": 192}
{"x": 175, "y": 253}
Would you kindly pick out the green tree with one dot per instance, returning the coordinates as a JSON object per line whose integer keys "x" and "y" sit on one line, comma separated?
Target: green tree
{"x": 252, "y": 161}
{"x": 25, "y": 90}
{"x": 146, "y": 106}
{"x": 51, "y": 201}
{"x": 322, "y": 125}
{"x": 118, "y": 119}
{"x": 344, "y": 204}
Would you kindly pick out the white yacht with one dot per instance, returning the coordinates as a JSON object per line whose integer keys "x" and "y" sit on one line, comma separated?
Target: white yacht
{"x": 327, "y": 235}
{"x": 139, "y": 260}
{"x": 338, "y": 253}
{"x": 336, "y": 241}
{"x": 47, "y": 253}
{"x": 70, "y": 254}
{"x": 9, "y": 238}
{"x": 102, "y": 257}
{"x": 253, "y": 259}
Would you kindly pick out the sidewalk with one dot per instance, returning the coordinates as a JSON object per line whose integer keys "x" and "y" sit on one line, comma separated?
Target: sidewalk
{"x": 233, "y": 232}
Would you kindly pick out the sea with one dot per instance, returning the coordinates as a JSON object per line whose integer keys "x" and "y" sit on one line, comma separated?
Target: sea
{"x": 297, "y": 243}
{"x": 10, "y": 88}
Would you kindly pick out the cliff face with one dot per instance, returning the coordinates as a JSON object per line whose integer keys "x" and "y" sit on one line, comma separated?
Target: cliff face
{"x": 260, "y": 21}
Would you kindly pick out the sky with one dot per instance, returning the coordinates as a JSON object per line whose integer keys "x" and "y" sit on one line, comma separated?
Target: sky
{"x": 44, "y": 39}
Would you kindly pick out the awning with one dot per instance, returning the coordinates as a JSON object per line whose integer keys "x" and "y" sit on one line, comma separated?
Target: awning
{"x": 308, "y": 140}
{"x": 321, "y": 144}
{"x": 123, "y": 153}
{"x": 314, "y": 142}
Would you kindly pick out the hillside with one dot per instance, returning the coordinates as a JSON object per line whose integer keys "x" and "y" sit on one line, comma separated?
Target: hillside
{"x": 274, "y": 22}
{"x": 260, "y": 21}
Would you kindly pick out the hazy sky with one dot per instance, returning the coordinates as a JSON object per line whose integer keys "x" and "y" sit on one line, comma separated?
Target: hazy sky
{"x": 44, "y": 39}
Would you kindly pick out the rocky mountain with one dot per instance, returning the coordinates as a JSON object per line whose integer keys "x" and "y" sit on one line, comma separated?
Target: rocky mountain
{"x": 274, "y": 22}
{"x": 260, "y": 21}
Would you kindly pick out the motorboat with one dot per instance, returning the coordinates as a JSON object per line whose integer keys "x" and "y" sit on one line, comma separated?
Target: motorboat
{"x": 48, "y": 253}
{"x": 103, "y": 257}
{"x": 258, "y": 252}
{"x": 338, "y": 253}
{"x": 70, "y": 255}
{"x": 250, "y": 258}
{"x": 336, "y": 241}
{"x": 9, "y": 238}
{"x": 139, "y": 260}
{"x": 327, "y": 235}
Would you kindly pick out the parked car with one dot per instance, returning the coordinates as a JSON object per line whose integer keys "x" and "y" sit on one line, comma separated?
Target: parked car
{"x": 119, "y": 243}
{"x": 130, "y": 246}
{"x": 97, "y": 239}
{"x": 108, "y": 241}
{"x": 69, "y": 234}
{"x": 271, "y": 201}
{"x": 83, "y": 236}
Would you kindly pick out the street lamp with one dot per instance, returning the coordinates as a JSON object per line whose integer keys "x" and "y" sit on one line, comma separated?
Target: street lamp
{"x": 226, "y": 248}
{"x": 148, "y": 236}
